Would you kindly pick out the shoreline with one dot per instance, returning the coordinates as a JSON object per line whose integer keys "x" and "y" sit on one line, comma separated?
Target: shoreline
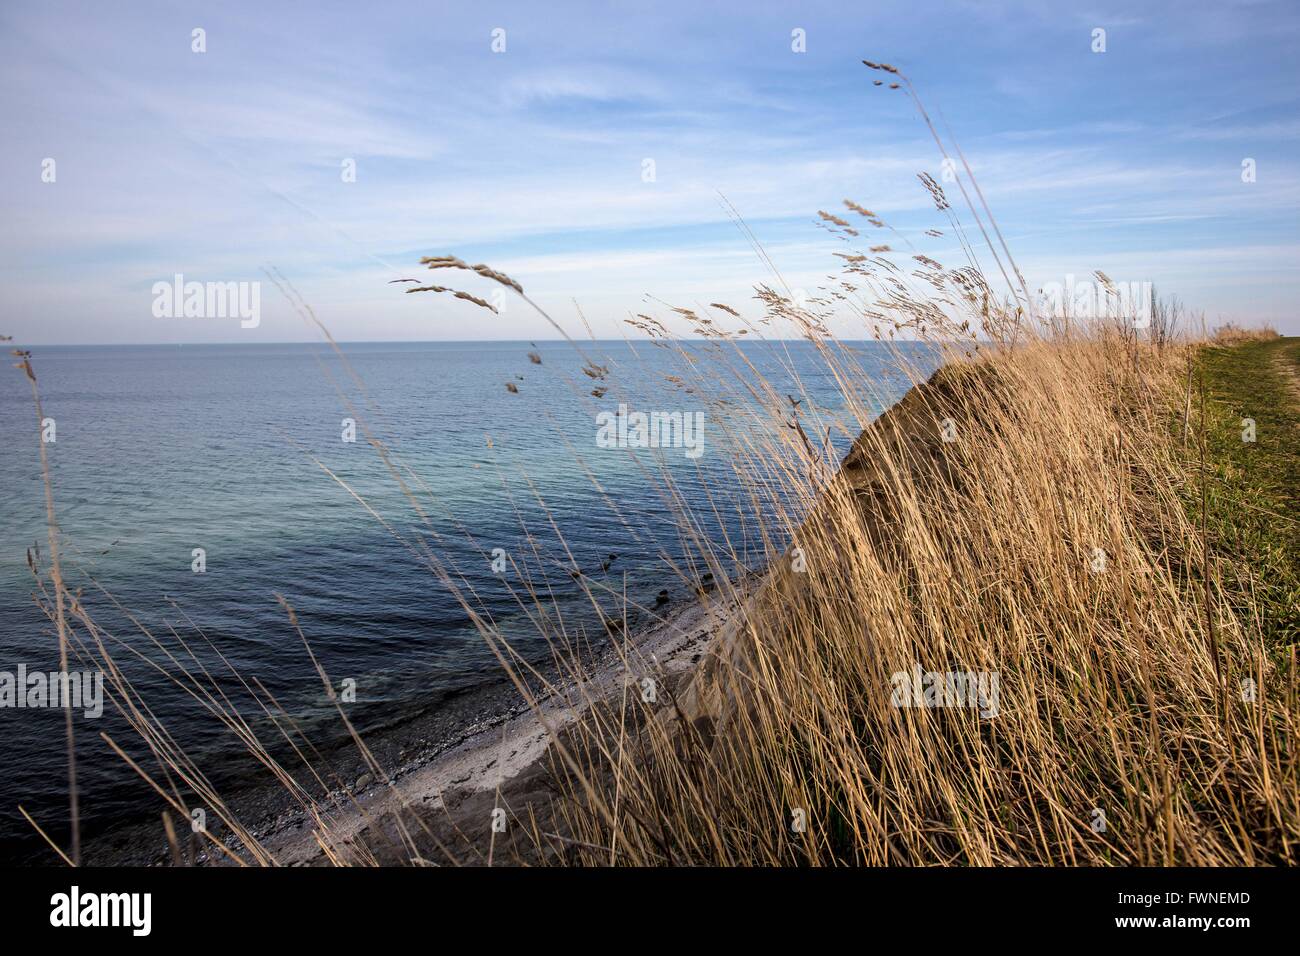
{"x": 443, "y": 759}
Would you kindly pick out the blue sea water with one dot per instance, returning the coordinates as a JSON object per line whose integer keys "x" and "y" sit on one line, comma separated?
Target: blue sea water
{"x": 162, "y": 449}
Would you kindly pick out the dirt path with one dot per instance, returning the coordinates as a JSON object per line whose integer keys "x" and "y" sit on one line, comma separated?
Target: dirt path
{"x": 1287, "y": 362}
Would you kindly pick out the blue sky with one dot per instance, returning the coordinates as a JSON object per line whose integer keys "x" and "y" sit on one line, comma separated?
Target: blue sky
{"x": 220, "y": 164}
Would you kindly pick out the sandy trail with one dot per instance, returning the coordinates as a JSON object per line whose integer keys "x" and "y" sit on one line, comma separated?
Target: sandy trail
{"x": 1289, "y": 371}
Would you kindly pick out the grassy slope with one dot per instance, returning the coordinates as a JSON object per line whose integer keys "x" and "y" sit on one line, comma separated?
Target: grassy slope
{"x": 1254, "y": 494}
{"x": 1123, "y": 708}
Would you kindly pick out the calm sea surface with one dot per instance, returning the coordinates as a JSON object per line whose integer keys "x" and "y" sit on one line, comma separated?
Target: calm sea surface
{"x": 160, "y": 450}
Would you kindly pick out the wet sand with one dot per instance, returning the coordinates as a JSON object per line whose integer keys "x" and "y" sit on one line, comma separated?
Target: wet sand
{"x": 449, "y": 767}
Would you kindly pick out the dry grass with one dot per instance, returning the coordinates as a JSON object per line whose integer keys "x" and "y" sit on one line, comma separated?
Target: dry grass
{"x": 1120, "y": 686}
{"x": 1231, "y": 333}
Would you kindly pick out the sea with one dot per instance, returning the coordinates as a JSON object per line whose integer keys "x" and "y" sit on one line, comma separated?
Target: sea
{"x": 396, "y": 496}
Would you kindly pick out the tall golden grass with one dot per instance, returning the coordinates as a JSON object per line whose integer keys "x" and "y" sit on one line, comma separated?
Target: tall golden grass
{"x": 1048, "y": 544}
{"x": 1233, "y": 333}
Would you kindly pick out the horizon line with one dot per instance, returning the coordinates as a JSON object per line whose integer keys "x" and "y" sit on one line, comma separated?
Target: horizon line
{"x": 536, "y": 341}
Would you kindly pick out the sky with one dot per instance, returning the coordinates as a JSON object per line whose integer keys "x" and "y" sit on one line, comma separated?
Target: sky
{"x": 519, "y": 135}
